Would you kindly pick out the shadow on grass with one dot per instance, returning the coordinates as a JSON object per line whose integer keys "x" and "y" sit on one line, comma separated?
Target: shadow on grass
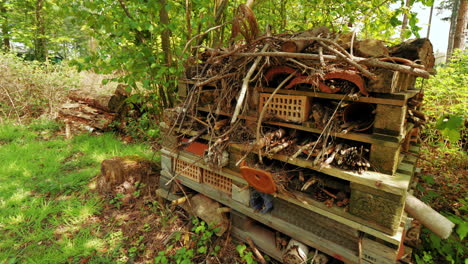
{"x": 46, "y": 208}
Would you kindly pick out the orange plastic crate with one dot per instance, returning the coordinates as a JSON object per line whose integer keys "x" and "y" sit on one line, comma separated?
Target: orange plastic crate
{"x": 217, "y": 181}
{"x": 188, "y": 170}
{"x": 293, "y": 108}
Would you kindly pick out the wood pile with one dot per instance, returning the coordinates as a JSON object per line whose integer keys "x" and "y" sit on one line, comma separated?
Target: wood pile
{"x": 319, "y": 120}
{"x": 92, "y": 112}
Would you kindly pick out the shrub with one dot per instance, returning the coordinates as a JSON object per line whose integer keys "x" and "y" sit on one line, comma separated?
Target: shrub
{"x": 446, "y": 97}
{"x": 29, "y": 89}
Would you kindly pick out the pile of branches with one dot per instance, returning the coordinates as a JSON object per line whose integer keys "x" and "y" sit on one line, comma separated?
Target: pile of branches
{"x": 234, "y": 72}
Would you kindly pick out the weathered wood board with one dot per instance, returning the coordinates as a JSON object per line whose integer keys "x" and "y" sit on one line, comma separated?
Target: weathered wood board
{"x": 381, "y": 207}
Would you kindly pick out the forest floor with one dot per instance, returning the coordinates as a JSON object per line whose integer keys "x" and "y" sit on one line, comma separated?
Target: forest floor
{"x": 50, "y": 212}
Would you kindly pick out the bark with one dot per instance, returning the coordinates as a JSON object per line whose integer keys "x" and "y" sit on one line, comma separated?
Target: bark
{"x": 40, "y": 40}
{"x": 82, "y": 115}
{"x": 295, "y": 252}
{"x": 298, "y": 45}
{"x": 167, "y": 99}
{"x": 188, "y": 18}
{"x": 371, "y": 48}
{"x": 166, "y": 33}
{"x": 126, "y": 174}
{"x": 404, "y": 23}
{"x": 415, "y": 50}
{"x": 429, "y": 24}
{"x": 109, "y": 103}
{"x": 453, "y": 23}
{"x": 462, "y": 19}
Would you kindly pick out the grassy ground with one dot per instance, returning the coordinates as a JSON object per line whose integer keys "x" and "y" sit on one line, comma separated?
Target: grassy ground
{"x": 46, "y": 208}
{"x": 50, "y": 213}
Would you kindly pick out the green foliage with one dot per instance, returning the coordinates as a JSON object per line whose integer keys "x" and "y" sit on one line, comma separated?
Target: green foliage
{"x": 201, "y": 245}
{"x": 61, "y": 29}
{"x": 46, "y": 209}
{"x": 452, "y": 250}
{"x": 246, "y": 256}
{"x": 446, "y": 99}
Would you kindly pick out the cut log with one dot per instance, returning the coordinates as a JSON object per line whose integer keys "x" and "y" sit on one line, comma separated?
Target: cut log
{"x": 371, "y": 48}
{"x": 419, "y": 50}
{"x": 86, "y": 115}
{"x": 109, "y": 103}
{"x": 430, "y": 218}
{"x": 300, "y": 45}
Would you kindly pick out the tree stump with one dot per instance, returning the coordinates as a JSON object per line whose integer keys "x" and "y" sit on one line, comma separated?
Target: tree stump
{"x": 127, "y": 175}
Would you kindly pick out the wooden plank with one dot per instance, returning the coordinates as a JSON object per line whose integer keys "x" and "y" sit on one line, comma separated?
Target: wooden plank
{"x": 342, "y": 216}
{"x": 241, "y": 235}
{"x": 378, "y": 206}
{"x": 385, "y": 159}
{"x": 367, "y": 138}
{"x": 299, "y": 234}
{"x": 397, "y": 184}
{"x": 334, "y": 213}
{"x": 375, "y": 252}
{"x": 390, "y": 120}
{"x": 398, "y": 99}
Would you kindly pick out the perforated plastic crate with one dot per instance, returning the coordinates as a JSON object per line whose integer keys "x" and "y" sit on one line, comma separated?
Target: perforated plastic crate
{"x": 217, "y": 181}
{"x": 188, "y": 170}
{"x": 293, "y": 108}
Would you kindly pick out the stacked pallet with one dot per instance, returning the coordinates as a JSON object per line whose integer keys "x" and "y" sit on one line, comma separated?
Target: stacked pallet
{"x": 311, "y": 144}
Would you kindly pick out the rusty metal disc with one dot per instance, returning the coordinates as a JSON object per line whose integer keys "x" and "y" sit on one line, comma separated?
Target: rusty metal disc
{"x": 259, "y": 179}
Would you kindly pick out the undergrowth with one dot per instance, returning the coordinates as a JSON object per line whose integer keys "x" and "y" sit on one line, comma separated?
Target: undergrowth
{"x": 444, "y": 161}
{"x": 46, "y": 208}
{"x": 29, "y": 89}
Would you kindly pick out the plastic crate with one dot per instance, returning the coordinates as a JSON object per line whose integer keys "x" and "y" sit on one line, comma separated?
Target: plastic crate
{"x": 188, "y": 170}
{"x": 293, "y": 108}
{"x": 217, "y": 181}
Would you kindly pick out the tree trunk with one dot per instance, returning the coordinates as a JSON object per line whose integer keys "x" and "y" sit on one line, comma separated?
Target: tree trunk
{"x": 188, "y": 20}
{"x": 429, "y": 24}
{"x": 404, "y": 23}
{"x": 462, "y": 19}
{"x": 40, "y": 41}
{"x": 166, "y": 33}
{"x": 5, "y": 27}
{"x": 166, "y": 98}
{"x": 453, "y": 23}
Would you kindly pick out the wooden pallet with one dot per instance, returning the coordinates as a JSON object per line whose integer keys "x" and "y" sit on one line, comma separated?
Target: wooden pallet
{"x": 326, "y": 241}
{"x": 367, "y": 222}
{"x": 384, "y": 149}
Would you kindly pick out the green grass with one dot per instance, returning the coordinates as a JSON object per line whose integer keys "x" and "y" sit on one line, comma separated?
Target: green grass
{"x": 46, "y": 207}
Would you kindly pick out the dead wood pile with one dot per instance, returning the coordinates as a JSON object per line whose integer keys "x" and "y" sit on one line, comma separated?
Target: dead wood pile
{"x": 225, "y": 84}
{"x": 92, "y": 112}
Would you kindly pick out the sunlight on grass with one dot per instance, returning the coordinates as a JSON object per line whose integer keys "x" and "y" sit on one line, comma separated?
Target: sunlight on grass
{"x": 95, "y": 243}
{"x": 99, "y": 157}
{"x": 45, "y": 201}
{"x": 19, "y": 196}
{"x": 16, "y": 219}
